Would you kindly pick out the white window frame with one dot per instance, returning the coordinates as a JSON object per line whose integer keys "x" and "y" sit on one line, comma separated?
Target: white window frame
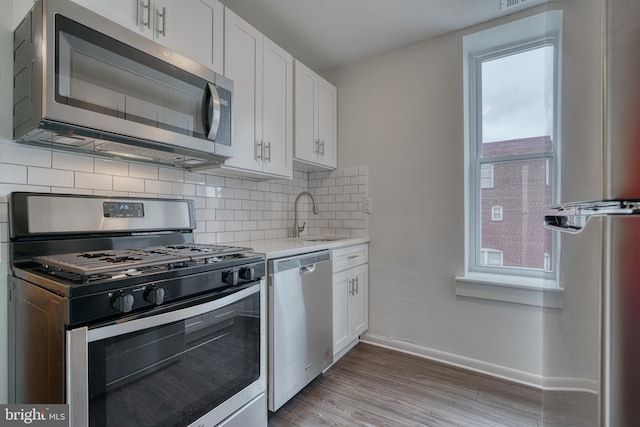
{"x": 484, "y": 281}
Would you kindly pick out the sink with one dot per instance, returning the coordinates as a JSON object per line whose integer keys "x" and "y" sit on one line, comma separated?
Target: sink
{"x": 321, "y": 239}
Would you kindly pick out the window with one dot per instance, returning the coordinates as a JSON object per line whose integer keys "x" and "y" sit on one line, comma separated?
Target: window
{"x": 496, "y": 213}
{"x": 491, "y": 256}
{"x": 486, "y": 175}
{"x": 511, "y": 120}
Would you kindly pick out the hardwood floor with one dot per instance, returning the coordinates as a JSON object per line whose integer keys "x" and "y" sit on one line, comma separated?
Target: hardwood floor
{"x": 373, "y": 386}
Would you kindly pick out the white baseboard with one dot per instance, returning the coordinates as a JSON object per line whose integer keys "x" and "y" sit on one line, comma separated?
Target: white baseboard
{"x": 533, "y": 380}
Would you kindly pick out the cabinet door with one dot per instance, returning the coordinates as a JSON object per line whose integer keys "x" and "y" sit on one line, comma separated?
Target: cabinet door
{"x": 277, "y": 111}
{"x": 243, "y": 65}
{"x": 341, "y": 291}
{"x": 306, "y": 102}
{"x": 193, "y": 28}
{"x": 136, "y": 15}
{"x": 360, "y": 301}
{"x": 327, "y": 123}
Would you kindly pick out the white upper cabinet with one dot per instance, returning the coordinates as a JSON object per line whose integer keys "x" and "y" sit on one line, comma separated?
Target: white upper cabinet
{"x": 193, "y": 28}
{"x": 263, "y": 101}
{"x": 316, "y": 124}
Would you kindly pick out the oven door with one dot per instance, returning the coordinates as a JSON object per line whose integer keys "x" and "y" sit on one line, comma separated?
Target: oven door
{"x": 195, "y": 365}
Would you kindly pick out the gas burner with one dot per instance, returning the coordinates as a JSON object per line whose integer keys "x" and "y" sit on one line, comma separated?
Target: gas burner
{"x": 95, "y": 255}
{"x": 121, "y": 259}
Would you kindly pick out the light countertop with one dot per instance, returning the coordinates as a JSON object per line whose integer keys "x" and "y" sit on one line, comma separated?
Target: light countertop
{"x": 284, "y": 247}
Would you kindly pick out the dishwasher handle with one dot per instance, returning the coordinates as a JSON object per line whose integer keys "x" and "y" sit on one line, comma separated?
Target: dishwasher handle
{"x": 306, "y": 263}
{"x": 308, "y": 269}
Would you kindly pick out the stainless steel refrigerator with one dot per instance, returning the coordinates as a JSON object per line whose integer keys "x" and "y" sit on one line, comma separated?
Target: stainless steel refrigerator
{"x": 620, "y": 208}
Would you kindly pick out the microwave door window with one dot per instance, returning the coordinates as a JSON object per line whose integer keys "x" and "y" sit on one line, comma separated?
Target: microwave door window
{"x": 100, "y": 74}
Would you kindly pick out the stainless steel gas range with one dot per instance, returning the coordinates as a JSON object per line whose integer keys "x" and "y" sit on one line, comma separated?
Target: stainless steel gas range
{"x": 115, "y": 310}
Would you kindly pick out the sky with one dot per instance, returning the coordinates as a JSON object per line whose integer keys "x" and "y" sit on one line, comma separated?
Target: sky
{"x": 517, "y": 95}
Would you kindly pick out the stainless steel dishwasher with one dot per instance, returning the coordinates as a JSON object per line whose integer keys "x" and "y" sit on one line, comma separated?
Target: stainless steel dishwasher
{"x": 300, "y": 323}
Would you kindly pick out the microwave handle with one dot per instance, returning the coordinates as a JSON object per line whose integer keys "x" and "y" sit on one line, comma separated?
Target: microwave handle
{"x": 211, "y": 111}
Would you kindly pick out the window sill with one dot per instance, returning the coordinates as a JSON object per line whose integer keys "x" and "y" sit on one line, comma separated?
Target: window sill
{"x": 513, "y": 289}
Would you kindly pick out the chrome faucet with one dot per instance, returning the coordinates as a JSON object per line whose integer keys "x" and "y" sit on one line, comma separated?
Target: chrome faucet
{"x": 297, "y": 230}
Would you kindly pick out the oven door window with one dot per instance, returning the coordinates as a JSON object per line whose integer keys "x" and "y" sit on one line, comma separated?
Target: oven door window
{"x": 173, "y": 374}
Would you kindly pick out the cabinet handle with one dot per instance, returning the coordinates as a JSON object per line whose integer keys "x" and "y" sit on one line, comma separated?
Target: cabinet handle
{"x": 357, "y": 291}
{"x": 353, "y": 256}
{"x": 268, "y": 151}
{"x": 141, "y": 6}
{"x": 258, "y": 151}
{"x": 162, "y": 15}
{"x": 316, "y": 148}
{"x": 322, "y": 145}
{"x": 352, "y": 287}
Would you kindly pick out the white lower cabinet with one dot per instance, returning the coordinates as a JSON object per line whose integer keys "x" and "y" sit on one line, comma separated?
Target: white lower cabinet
{"x": 350, "y": 296}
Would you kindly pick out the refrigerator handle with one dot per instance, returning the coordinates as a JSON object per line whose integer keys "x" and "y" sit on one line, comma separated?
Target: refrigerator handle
{"x": 573, "y": 217}
{"x": 567, "y": 224}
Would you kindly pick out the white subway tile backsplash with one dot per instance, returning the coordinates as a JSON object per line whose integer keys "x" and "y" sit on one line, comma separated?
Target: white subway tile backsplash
{"x": 111, "y": 167}
{"x": 205, "y": 214}
{"x": 224, "y": 215}
{"x": 227, "y": 209}
{"x": 13, "y": 174}
{"x": 13, "y": 153}
{"x": 242, "y": 194}
{"x": 73, "y": 162}
{"x": 214, "y": 226}
{"x": 249, "y": 185}
{"x": 182, "y": 189}
{"x": 123, "y": 183}
{"x": 51, "y": 177}
{"x": 233, "y": 204}
{"x": 241, "y": 215}
{"x": 5, "y": 189}
{"x": 93, "y": 181}
{"x": 257, "y": 235}
{"x": 67, "y": 190}
{"x": 173, "y": 175}
{"x": 143, "y": 171}
{"x": 256, "y": 215}
{"x": 158, "y": 187}
{"x": 216, "y": 203}
{"x": 214, "y": 180}
{"x": 233, "y": 182}
{"x": 345, "y": 180}
{"x": 249, "y": 205}
{"x": 194, "y": 178}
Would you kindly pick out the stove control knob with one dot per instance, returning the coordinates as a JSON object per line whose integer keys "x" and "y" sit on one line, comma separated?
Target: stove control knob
{"x": 123, "y": 302}
{"x": 154, "y": 295}
{"x": 248, "y": 273}
{"x": 230, "y": 277}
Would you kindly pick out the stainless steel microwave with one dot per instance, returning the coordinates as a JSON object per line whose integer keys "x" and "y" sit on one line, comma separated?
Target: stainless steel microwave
{"x": 83, "y": 83}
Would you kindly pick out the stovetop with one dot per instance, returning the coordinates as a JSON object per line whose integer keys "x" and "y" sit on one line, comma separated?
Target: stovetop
{"x": 108, "y": 284}
{"x": 132, "y": 261}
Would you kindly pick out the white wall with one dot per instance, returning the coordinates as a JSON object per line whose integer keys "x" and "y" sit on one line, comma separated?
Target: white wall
{"x": 401, "y": 113}
{"x": 571, "y": 343}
